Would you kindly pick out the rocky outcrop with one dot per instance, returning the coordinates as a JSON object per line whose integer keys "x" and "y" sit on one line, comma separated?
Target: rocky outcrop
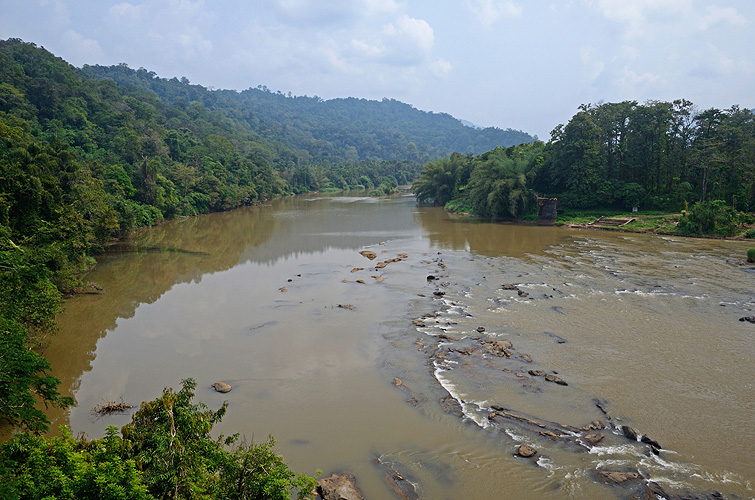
{"x": 617, "y": 477}
{"x": 339, "y": 487}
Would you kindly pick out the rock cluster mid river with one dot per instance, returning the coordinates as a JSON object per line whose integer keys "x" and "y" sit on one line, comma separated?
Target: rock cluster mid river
{"x": 451, "y": 359}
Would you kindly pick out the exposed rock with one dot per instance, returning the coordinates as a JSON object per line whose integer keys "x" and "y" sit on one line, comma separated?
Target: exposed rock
{"x": 593, "y": 438}
{"x": 480, "y": 329}
{"x": 617, "y": 477}
{"x": 555, "y": 379}
{"x": 283, "y": 289}
{"x": 221, "y": 387}
{"x": 526, "y": 451}
{"x": 397, "y": 382}
{"x": 395, "y": 259}
{"x": 750, "y": 319}
{"x": 417, "y": 322}
{"x": 629, "y": 433}
{"x": 439, "y": 293}
{"x": 360, "y": 282}
{"x": 526, "y": 357}
{"x": 521, "y": 293}
{"x": 645, "y": 439}
{"x": 357, "y": 269}
{"x": 653, "y": 443}
{"x": 451, "y": 406}
{"x": 339, "y": 487}
{"x": 510, "y": 287}
{"x": 499, "y": 347}
{"x": 399, "y": 485}
{"x": 369, "y": 254}
{"x": 595, "y": 425}
{"x": 537, "y": 373}
{"x": 380, "y": 265}
{"x": 347, "y": 306}
{"x": 431, "y": 277}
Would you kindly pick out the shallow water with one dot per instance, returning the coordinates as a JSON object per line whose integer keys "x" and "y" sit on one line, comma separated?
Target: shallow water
{"x": 647, "y": 326}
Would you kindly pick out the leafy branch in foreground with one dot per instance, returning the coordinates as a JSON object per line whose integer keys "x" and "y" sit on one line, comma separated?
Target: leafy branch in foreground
{"x": 166, "y": 452}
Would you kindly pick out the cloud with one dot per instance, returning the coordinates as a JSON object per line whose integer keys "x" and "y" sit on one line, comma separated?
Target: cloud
{"x": 86, "y": 49}
{"x": 440, "y": 68}
{"x": 715, "y": 15}
{"x": 491, "y": 11}
{"x": 416, "y": 31}
{"x": 641, "y": 16}
{"x": 60, "y": 14}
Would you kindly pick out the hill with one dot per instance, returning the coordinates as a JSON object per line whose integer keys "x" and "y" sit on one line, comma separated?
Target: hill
{"x": 318, "y": 130}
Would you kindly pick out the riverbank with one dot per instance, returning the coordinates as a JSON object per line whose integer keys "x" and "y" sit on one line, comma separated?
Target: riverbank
{"x": 660, "y": 223}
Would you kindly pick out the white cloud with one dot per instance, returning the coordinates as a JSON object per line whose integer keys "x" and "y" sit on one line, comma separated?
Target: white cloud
{"x": 491, "y": 11}
{"x": 126, "y": 12}
{"x": 86, "y": 50}
{"x": 641, "y": 16}
{"x": 441, "y": 68}
{"x": 60, "y": 12}
{"x": 715, "y": 15}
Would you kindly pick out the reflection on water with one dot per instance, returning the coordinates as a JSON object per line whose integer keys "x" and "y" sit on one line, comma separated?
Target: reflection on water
{"x": 267, "y": 299}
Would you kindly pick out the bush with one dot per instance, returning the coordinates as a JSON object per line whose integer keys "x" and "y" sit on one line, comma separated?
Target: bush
{"x": 750, "y": 233}
{"x": 166, "y": 452}
{"x": 751, "y": 255}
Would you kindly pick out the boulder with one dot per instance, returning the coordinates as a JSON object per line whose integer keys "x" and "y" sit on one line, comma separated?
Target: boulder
{"x": 617, "y": 477}
{"x": 537, "y": 373}
{"x": 629, "y": 433}
{"x": 749, "y": 319}
{"x": 369, "y": 254}
{"x": 555, "y": 379}
{"x": 526, "y": 451}
{"x": 222, "y": 387}
{"x": 593, "y": 438}
{"x": 339, "y": 487}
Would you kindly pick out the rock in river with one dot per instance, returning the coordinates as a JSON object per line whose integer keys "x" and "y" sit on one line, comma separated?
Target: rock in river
{"x": 221, "y": 387}
{"x": 526, "y": 451}
{"x": 369, "y": 254}
{"x": 339, "y": 487}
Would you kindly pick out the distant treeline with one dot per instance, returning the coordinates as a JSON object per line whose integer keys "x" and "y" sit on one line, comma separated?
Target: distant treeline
{"x": 325, "y": 131}
{"x": 656, "y": 156}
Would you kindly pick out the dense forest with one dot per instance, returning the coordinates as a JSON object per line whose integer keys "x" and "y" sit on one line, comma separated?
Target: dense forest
{"x": 325, "y": 131}
{"x": 655, "y": 156}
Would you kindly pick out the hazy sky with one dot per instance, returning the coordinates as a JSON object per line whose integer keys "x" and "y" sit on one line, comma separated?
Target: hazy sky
{"x": 507, "y": 63}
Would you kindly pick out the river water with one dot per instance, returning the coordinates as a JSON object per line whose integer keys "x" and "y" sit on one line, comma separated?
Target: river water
{"x": 400, "y": 375}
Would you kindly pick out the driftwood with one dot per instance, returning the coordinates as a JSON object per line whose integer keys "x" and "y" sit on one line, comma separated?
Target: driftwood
{"x": 109, "y": 407}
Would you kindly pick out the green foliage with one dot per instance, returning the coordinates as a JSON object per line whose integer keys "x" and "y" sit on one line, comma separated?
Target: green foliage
{"x": 750, "y": 233}
{"x": 460, "y": 205}
{"x": 166, "y": 452}
{"x": 169, "y": 440}
{"x": 710, "y": 217}
{"x": 440, "y": 180}
{"x": 32, "y": 467}
{"x": 25, "y": 381}
{"x": 751, "y": 255}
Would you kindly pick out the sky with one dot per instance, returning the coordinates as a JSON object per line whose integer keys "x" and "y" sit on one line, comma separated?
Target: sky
{"x": 525, "y": 65}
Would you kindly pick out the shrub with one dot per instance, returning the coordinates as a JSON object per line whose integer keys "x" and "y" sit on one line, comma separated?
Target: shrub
{"x": 751, "y": 255}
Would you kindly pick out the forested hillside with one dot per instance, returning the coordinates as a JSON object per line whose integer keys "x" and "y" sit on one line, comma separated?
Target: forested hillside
{"x": 329, "y": 131}
{"x": 658, "y": 155}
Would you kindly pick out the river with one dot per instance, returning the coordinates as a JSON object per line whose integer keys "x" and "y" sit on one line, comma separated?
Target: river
{"x": 385, "y": 371}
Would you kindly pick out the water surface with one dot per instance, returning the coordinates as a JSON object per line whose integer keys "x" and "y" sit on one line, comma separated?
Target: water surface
{"x": 267, "y": 299}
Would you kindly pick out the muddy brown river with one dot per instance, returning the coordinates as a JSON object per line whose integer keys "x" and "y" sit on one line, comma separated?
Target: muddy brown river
{"x": 387, "y": 372}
